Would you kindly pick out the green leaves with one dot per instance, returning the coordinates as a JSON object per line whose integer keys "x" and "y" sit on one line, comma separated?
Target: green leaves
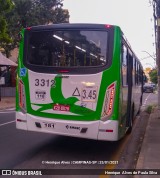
{"x": 5, "y": 7}
{"x": 153, "y": 76}
{"x": 26, "y": 13}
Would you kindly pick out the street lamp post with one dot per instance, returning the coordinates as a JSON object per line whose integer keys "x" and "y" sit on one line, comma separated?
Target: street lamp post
{"x": 150, "y": 55}
{"x": 150, "y": 65}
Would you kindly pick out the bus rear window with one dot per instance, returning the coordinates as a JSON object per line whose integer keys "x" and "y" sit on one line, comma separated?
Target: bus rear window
{"x": 67, "y": 48}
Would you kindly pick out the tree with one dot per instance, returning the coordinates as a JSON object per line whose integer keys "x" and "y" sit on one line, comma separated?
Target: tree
{"x": 33, "y": 12}
{"x": 153, "y": 75}
{"x": 5, "y": 7}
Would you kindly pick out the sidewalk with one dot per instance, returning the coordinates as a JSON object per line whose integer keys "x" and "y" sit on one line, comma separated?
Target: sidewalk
{"x": 7, "y": 102}
{"x": 149, "y": 157}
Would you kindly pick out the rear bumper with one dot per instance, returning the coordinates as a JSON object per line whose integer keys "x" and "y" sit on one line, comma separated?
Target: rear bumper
{"x": 97, "y": 130}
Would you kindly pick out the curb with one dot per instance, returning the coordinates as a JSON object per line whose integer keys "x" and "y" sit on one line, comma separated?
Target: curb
{"x": 8, "y": 108}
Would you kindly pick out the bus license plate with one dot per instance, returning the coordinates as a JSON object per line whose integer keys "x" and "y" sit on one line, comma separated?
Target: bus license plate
{"x": 89, "y": 94}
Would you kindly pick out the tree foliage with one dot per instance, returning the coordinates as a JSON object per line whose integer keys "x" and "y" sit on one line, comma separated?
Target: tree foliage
{"x": 5, "y": 7}
{"x": 153, "y": 76}
{"x": 33, "y": 12}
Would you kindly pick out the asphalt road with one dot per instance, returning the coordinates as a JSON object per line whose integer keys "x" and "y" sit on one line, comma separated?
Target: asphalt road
{"x": 30, "y": 150}
{"x": 149, "y": 99}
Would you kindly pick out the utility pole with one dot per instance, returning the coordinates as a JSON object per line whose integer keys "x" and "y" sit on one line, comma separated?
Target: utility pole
{"x": 158, "y": 59}
{"x": 156, "y": 14}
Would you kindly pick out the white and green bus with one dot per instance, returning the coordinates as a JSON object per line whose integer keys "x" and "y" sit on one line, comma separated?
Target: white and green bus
{"x": 78, "y": 80}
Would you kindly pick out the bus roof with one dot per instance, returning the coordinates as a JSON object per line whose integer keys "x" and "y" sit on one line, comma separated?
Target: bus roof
{"x": 72, "y": 25}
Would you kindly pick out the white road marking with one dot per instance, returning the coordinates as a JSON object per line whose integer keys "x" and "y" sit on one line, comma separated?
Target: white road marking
{"x": 7, "y": 123}
{"x": 144, "y": 104}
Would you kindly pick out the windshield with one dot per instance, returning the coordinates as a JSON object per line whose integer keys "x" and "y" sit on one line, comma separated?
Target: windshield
{"x": 68, "y": 48}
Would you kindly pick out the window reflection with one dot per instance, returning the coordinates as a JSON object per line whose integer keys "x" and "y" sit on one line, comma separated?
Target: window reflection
{"x": 67, "y": 48}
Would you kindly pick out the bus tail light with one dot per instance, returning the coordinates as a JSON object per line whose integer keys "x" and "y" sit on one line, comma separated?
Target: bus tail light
{"x": 22, "y": 100}
{"x": 109, "y": 130}
{"x": 109, "y": 101}
{"x": 28, "y": 28}
{"x": 107, "y": 26}
{"x": 63, "y": 71}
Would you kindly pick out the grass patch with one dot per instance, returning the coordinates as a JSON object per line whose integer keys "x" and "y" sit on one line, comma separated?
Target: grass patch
{"x": 149, "y": 109}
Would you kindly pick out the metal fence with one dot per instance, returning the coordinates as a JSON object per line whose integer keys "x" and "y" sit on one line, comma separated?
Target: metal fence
{"x": 8, "y": 91}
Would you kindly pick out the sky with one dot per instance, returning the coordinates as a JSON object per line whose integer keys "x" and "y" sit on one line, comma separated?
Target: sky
{"x": 135, "y": 17}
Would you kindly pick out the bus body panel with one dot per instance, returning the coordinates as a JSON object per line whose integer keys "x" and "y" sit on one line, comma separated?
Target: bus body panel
{"x": 108, "y": 130}
{"x": 21, "y": 121}
{"x": 136, "y": 98}
{"x": 72, "y": 95}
